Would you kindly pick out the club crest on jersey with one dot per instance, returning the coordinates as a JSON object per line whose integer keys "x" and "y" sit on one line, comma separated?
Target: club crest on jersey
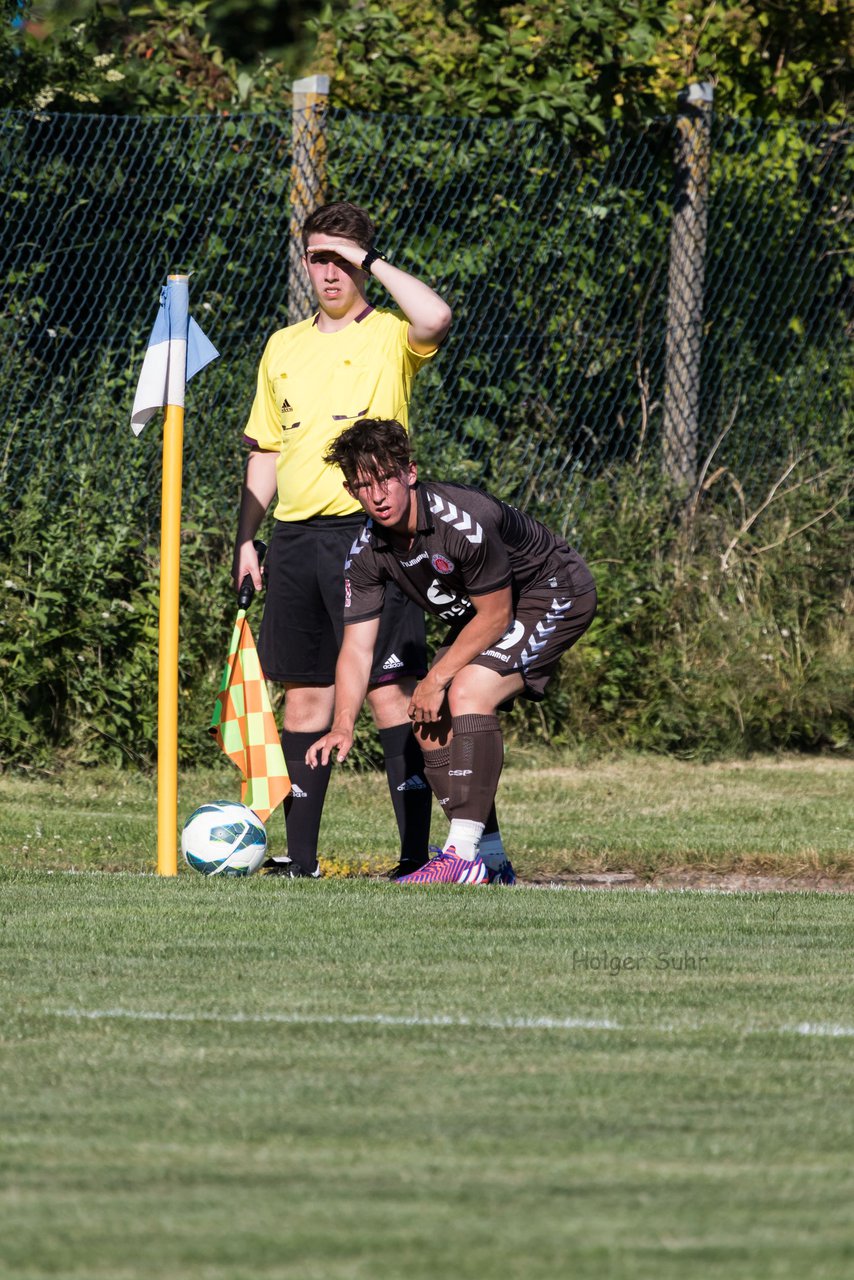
{"x": 441, "y": 563}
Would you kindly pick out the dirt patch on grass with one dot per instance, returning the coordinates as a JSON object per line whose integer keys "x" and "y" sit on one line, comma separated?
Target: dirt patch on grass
{"x": 693, "y": 878}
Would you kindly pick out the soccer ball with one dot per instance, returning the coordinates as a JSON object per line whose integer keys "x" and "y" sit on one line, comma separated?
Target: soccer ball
{"x": 224, "y": 838}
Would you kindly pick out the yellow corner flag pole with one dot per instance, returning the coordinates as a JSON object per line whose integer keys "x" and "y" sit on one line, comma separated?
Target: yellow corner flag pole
{"x": 167, "y": 666}
{"x": 177, "y": 349}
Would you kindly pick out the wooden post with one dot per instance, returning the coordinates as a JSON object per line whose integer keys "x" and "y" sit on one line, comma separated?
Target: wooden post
{"x": 308, "y": 182}
{"x": 680, "y": 432}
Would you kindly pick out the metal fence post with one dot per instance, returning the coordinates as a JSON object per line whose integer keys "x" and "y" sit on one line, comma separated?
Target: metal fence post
{"x": 308, "y": 181}
{"x": 685, "y": 285}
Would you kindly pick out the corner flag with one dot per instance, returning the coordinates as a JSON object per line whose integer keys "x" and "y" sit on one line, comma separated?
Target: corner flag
{"x": 177, "y": 349}
{"x": 245, "y": 727}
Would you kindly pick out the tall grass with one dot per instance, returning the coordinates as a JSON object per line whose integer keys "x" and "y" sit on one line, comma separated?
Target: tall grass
{"x": 722, "y": 630}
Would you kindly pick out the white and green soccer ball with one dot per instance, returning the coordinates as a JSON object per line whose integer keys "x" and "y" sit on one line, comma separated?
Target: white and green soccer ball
{"x": 224, "y": 838}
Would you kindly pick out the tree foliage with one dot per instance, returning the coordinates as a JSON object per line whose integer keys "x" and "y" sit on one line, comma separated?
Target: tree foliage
{"x": 577, "y": 61}
{"x": 580, "y": 63}
{"x": 158, "y": 60}
{"x": 585, "y": 61}
{"x": 162, "y": 58}
{"x": 766, "y": 58}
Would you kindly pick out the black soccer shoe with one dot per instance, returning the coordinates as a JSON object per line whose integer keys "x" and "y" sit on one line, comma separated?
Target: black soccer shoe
{"x": 275, "y": 867}
{"x": 406, "y": 866}
{"x": 290, "y": 870}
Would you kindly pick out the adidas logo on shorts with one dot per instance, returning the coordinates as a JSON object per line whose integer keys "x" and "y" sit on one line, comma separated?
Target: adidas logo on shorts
{"x": 297, "y": 792}
{"x": 392, "y": 663}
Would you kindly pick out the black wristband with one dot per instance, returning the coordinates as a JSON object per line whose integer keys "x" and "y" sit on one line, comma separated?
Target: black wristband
{"x": 373, "y": 255}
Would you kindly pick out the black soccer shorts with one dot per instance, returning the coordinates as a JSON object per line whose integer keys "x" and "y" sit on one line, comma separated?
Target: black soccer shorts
{"x": 303, "y": 623}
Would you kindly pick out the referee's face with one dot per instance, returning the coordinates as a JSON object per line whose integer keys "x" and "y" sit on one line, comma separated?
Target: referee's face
{"x": 388, "y": 498}
{"x": 335, "y": 281}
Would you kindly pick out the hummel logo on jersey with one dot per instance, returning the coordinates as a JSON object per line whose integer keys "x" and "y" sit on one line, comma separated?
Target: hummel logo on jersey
{"x": 413, "y": 784}
{"x": 298, "y": 793}
{"x": 392, "y": 663}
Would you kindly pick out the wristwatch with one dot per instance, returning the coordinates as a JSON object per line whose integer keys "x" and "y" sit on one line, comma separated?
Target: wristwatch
{"x": 373, "y": 255}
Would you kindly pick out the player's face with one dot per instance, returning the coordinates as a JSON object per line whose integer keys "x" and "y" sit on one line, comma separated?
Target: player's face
{"x": 335, "y": 281}
{"x": 389, "y": 498}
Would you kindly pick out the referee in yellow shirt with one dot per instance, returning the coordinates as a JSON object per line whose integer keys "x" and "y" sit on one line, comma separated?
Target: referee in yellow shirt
{"x": 348, "y": 361}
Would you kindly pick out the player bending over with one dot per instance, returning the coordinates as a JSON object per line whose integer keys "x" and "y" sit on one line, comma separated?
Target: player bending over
{"x": 516, "y": 597}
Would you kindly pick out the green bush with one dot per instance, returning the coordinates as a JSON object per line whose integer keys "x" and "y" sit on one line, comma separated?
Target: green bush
{"x": 720, "y": 631}
{"x": 78, "y": 649}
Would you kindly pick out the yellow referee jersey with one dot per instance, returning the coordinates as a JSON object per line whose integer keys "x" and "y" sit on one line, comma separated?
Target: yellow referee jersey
{"x": 311, "y": 386}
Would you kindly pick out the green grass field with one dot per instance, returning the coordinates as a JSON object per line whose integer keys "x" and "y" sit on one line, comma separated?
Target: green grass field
{"x": 643, "y": 814}
{"x": 348, "y": 1080}
{"x": 210, "y": 1080}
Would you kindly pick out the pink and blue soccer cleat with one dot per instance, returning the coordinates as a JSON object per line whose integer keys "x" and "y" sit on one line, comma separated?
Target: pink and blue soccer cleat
{"x": 447, "y": 868}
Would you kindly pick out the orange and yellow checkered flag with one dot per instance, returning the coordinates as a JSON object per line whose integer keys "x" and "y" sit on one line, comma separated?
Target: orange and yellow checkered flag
{"x": 245, "y": 727}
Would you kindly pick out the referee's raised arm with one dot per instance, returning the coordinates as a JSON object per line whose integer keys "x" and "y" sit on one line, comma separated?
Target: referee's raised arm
{"x": 429, "y": 315}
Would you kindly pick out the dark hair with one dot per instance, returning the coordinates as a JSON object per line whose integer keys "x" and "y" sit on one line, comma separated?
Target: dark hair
{"x": 372, "y": 446}
{"x": 340, "y": 219}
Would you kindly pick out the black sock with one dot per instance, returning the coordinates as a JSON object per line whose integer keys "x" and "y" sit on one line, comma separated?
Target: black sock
{"x": 492, "y": 827}
{"x": 304, "y": 806}
{"x": 410, "y": 792}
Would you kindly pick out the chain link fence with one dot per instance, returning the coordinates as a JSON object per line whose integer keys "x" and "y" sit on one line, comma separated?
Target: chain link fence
{"x": 678, "y": 295}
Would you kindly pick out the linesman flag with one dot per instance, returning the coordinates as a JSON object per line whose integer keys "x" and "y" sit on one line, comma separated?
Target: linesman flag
{"x": 177, "y": 349}
{"x": 245, "y": 727}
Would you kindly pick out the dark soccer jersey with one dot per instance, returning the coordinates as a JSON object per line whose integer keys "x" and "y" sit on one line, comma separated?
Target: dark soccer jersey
{"x": 467, "y": 544}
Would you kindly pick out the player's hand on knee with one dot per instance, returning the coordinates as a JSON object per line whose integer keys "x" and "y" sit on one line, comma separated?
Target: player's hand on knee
{"x": 428, "y": 697}
{"x": 320, "y": 752}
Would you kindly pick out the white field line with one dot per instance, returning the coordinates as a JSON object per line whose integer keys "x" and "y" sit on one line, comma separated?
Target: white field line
{"x": 834, "y": 1030}
{"x": 349, "y": 1019}
{"x": 819, "y": 1029}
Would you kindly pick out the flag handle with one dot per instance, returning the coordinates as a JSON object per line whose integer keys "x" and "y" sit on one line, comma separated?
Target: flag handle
{"x": 167, "y": 703}
{"x": 246, "y": 594}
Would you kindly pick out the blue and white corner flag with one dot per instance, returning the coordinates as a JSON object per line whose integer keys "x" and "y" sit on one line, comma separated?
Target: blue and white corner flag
{"x": 177, "y": 349}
